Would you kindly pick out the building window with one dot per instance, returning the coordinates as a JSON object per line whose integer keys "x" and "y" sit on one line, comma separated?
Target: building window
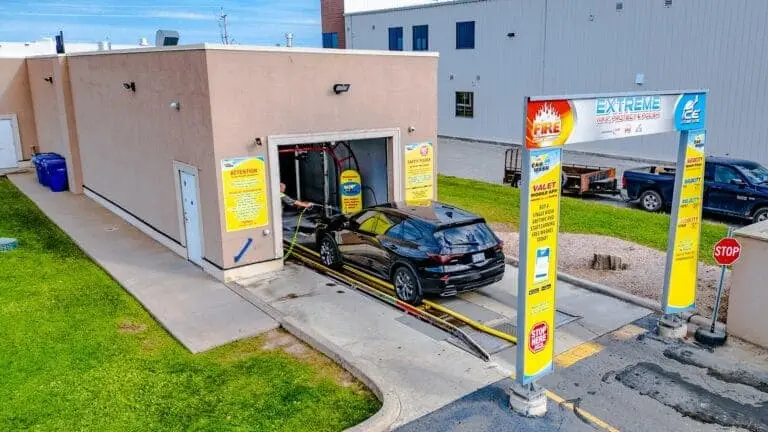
{"x": 330, "y": 40}
{"x": 465, "y": 35}
{"x": 395, "y": 38}
{"x": 465, "y": 104}
{"x": 421, "y": 38}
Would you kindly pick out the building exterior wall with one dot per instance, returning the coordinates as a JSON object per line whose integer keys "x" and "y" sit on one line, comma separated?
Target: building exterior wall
{"x": 15, "y": 98}
{"x": 258, "y": 94}
{"x": 587, "y": 46}
{"x": 332, "y": 19}
{"x": 45, "y": 105}
{"x": 128, "y": 141}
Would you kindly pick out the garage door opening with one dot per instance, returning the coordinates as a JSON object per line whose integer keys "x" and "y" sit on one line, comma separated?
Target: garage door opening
{"x": 325, "y": 174}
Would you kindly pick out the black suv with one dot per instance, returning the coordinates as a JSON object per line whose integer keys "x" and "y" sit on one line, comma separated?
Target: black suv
{"x": 426, "y": 248}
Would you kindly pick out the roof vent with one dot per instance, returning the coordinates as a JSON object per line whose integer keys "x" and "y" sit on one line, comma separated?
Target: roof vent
{"x": 619, "y": 6}
{"x": 667, "y": 3}
{"x": 166, "y": 38}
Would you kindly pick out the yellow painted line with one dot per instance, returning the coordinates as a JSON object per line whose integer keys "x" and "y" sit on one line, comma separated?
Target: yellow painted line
{"x": 585, "y": 414}
{"x": 627, "y": 332}
{"x": 577, "y": 354}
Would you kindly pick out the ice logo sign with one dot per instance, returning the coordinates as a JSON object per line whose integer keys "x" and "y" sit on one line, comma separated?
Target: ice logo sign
{"x": 690, "y": 111}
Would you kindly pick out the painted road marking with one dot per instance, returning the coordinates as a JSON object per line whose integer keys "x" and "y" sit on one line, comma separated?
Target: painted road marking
{"x": 577, "y": 354}
{"x": 580, "y": 412}
{"x": 627, "y": 332}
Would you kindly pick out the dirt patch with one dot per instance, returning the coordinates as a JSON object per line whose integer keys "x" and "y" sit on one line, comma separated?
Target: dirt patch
{"x": 130, "y": 327}
{"x": 643, "y": 278}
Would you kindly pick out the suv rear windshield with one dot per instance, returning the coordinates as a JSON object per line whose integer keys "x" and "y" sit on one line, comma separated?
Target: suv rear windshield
{"x": 476, "y": 236}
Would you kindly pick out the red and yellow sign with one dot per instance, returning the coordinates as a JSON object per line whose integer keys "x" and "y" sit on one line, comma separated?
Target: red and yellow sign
{"x": 684, "y": 263}
{"x": 548, "y": 123}
{"x": 243, "y": 181}
{"x": 537, "y": 317}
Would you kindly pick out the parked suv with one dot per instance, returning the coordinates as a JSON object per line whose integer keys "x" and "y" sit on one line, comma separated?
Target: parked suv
{"x": 429, "y": 248}
{"x": 732, "y": 187}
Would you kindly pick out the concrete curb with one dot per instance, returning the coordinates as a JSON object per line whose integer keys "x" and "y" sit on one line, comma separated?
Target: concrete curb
{"x": 693, "y": 318}
{"x": 361, "y": 369}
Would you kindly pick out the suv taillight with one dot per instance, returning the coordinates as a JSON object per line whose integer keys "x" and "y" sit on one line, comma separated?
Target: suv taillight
{"x": 443, "y": 259}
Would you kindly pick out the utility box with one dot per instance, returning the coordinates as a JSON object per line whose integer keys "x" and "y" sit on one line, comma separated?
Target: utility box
{"x": 749, "y": 292}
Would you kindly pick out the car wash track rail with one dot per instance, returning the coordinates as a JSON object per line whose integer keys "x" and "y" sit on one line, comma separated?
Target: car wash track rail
{"x": 430, "y": 312}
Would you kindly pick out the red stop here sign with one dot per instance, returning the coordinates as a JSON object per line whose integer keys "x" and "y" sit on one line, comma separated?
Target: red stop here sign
{"x": 539, "y": 337}
{"x": 727, "y": 251}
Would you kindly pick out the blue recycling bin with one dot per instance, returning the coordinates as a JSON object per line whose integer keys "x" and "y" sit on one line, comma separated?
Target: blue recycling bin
{"x": 52, "y": 173}
{"x": 37, "y": 160}
{"x": 58, "y": 178}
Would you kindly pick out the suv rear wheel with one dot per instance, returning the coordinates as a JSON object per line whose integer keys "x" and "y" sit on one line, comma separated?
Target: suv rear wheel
{"x": 761, "y": 215}
{"x": 407, "y": 286}
{"x": 329, "y": 252}
{"x": 651, "y": 201}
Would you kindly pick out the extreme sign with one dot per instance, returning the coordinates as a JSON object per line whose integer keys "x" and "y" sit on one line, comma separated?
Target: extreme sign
{"x": 351, "y": 192}
{"x": 567, "y": 121}
{"x": 540, "y": 223}
{"x": 549, "y": 124}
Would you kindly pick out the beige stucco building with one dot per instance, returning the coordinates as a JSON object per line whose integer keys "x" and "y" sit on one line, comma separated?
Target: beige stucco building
{"x": 152, "y": 134}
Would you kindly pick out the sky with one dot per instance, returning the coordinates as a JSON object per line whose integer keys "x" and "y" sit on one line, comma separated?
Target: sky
{"x": 252, "y": 22}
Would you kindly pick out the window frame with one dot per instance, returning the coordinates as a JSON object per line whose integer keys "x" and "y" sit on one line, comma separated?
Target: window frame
{"x": 398, "y": 38}
{"x": 466, "y": 29}
{"x": 464, "y": 109}
{"x": 415, "y": 37}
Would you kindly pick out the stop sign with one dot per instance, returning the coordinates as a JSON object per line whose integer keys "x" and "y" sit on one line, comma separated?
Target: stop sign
{"x": 538, "y": 338}
{"x": 727, "y": 251}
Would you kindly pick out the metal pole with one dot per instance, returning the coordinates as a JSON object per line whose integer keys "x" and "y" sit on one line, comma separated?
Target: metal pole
{"x": 719, "y": 290}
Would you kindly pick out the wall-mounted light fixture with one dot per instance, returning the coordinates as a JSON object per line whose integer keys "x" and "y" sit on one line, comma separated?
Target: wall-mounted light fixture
{"x": 511, "y": 34}
{"x": 130, "y": 86}
{"x": 411, "y": 129}
{"x": 49, "y": 79}
{"x": 340, "y": 88}
{"x": 176, "y": 105}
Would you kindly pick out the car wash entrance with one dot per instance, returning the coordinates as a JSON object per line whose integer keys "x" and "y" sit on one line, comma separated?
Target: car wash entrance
{"x": 321, "y": 176}
{"x": 549, "y": 124}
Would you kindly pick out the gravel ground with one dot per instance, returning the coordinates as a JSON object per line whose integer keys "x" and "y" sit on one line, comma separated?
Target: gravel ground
{"x": 645, "y": 276}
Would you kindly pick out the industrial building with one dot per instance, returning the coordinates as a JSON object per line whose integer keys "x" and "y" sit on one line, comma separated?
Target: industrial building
{"x": 190, "y": 143}
{"x": 493, "y": 53}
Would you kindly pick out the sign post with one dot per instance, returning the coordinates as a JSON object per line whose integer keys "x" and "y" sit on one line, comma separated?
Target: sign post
{"x": 726, "y": 252}
{"x": 553, "y": 122}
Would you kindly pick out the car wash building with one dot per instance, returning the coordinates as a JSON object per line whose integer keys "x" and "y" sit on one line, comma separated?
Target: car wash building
{"x": 191, "y": 143}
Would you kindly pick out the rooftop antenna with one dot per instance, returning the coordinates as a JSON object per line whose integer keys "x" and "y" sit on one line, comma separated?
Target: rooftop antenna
{"x": 223, "y": 30}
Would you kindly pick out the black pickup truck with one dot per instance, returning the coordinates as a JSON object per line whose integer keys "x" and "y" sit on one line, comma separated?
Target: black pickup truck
{"x": 732, "y": 187}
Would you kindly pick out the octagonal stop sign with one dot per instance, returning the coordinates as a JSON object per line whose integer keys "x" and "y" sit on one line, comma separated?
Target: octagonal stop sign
{"x": 727, "y": 251}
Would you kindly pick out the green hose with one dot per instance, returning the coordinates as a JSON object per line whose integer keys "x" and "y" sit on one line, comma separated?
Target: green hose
{"x": 295, "y": 234}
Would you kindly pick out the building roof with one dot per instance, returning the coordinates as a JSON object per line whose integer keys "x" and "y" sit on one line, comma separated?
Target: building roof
{"x": 434, "y": 3}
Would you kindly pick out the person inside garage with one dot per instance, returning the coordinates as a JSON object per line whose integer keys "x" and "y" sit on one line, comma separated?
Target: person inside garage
{"x": 291, "y": 203}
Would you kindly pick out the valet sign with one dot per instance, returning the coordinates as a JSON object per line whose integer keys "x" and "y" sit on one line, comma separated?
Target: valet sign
{"x": 553, "y": 122}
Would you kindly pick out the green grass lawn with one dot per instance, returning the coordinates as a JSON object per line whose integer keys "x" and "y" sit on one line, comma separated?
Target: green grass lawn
{"x": 499, "y": 203}
{"x": 79, "y": 353}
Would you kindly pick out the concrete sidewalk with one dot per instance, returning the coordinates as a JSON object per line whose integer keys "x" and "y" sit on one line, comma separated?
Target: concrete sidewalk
{"x": 199, "y": 311}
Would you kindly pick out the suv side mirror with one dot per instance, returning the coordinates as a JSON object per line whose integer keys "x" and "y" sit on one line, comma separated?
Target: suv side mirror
{"x": 738, "y": 182}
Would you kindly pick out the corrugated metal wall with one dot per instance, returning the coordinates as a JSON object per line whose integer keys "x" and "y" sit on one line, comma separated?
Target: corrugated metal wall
{"x": 591, "y": 47}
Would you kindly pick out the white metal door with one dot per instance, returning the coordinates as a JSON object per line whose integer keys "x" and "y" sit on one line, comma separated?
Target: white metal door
{"x": 190, "y": 207}
{"x": 8, "y": 157}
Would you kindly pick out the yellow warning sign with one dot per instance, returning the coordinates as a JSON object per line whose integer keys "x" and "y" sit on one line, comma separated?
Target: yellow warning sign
{"x": 244, "y": 184}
